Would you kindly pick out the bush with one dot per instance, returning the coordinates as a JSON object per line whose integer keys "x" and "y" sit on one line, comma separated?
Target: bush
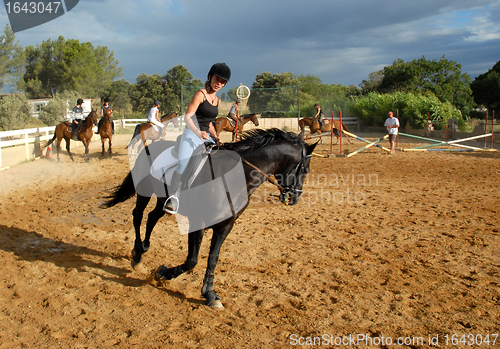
{"x": 372, "y": 109}
{"x": 15, "y": 112}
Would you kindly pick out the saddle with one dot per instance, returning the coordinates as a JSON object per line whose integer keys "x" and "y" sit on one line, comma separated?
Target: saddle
{"x": 231, "y": 121}
{"x": 164, "y": 165}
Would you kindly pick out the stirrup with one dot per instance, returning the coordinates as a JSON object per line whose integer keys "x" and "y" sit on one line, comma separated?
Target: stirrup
{"x": 169, "y": 203}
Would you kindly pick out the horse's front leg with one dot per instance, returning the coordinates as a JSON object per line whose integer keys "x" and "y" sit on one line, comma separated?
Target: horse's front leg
{"x": 138, "y": 213}
{"x": 109, "y": 144}
{"x": 220, "y": 233}
{"x": 103, "y": 147}
{"x": 194, "y": 242}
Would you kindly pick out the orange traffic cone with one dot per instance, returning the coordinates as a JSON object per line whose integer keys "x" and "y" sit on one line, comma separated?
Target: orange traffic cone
{"x": 48, "y": 154}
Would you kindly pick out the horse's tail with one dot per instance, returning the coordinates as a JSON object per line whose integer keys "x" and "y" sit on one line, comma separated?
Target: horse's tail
{"x": 50, "y": 141}
{"x": 121, "y": 193}
{"x": 137, "y": 130}
{"x": 301, "y": 124}
{"x": 345, "y": 127}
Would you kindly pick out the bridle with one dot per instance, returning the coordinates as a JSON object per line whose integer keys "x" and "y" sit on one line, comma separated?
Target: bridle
{"x": 287, "y": 188}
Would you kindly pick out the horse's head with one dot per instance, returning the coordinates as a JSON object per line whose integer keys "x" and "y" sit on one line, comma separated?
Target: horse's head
{"x": 93, "y": 116}
{"x": 254, "y": 119}
{"x": 107, "y": 114}
{"x": 172, "y": 117}
{"x": 292, "y": 178}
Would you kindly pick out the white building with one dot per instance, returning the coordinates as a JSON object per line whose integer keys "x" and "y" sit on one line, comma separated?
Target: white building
{"x": 37, "y": 104}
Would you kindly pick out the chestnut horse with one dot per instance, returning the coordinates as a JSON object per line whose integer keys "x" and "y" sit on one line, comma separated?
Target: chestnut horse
{"x": 313, "y": 125}
{"x": 224, "y": 124}
{"x": 148, "y": 132}
{"x": 106, "y": 131}
{"x": 84, "y": 135}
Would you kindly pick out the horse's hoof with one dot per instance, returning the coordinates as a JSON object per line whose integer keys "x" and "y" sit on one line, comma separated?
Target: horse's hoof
{"x": 160, "y": 273}
{"x": 216, "y": 304}
{"x": 134, "y": 263}
{"x": 139, "y": 267}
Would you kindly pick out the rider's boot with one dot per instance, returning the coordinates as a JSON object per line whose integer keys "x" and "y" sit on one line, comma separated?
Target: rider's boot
{"x": 74, "y": 130}
{"x": 172, "y": 204}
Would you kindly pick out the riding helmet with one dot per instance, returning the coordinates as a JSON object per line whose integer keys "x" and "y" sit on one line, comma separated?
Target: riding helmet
{"x": 79, "y": 101}
{"x": 220, "y": 70}
{"x": 106, "y": 100}
{"x": 157, "y": 102}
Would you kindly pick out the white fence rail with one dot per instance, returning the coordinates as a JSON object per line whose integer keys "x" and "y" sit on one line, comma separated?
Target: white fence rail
{"x": 27, "y": 138}
{"x": 24, "y": 145}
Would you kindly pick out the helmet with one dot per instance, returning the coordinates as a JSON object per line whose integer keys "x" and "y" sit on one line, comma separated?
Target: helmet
{"x": 79, "y": 101}
{"x": 157, "y": 102}
{"x": 106, "y": 100}
{"x": 220, "y": 70}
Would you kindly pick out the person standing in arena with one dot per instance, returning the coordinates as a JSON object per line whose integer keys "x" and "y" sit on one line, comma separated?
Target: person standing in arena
{"x": 391, "y": 124}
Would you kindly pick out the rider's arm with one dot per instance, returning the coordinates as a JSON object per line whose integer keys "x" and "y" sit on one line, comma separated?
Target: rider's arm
{"x": 190, "y": 112}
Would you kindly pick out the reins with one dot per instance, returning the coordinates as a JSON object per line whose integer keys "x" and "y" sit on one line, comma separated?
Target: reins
{"x": 269, "y": 179}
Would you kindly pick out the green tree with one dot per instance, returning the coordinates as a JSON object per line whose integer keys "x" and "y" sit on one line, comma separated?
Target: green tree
{"x": 443, "y": 78}
{"x": 173, "y": 81}
{"x": 118, "y": 94}
{"x": 274, "y": 94}
{"x": 11, "y": 59}
{"x": 15, "y": 111}
{"x": 486, "y": 88}
{"x": 145, "y": 91}
{"x": 55, "y": 112}
{"x": 372, "y": 84}
{"x": 60, "y": 65}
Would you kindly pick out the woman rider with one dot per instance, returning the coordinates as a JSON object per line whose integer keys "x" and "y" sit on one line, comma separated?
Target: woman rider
{"x": 200, "y": 116}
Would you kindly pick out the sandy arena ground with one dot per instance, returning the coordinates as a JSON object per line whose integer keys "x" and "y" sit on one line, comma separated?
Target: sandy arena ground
{"x": 402, "y": 246}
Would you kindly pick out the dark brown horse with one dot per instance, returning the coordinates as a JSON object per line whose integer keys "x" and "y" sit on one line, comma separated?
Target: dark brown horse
{"x": 148, "y": 132}
{"x": 105, "y": 131}
{"x": 314, "y": 127}
{"x": 224, "y": 124}
{"x": 84, "y": 135}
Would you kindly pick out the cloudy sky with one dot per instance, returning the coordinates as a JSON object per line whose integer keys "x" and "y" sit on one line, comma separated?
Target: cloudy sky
{"x": 339, "y": 41}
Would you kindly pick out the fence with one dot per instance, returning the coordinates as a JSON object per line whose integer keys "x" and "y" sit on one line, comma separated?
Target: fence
{"x": 24, "y": 145}
{"x": 26, "y": 138}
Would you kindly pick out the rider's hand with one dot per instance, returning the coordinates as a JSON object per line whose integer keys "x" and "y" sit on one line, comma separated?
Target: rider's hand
{"x": 205, "y": 136}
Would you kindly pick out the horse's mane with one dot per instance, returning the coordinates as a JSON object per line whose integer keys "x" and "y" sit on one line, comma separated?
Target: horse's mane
{"x": 258, "y": 138}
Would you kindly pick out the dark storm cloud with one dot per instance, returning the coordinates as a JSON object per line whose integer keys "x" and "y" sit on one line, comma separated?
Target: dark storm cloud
{"x": 339, "y": 41}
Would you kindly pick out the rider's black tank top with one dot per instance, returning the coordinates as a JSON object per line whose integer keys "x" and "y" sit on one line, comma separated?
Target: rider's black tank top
{"x": 205, "y": 114}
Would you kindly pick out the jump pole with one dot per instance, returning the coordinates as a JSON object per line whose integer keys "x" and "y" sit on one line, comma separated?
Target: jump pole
{"x": 316, "y": 136}
{"x": 341, "y": 152}
{"x": 368, "y": 146}
{"x": 331, "y": 136}
{"x": 492, "y": 124}
{"x": 438, "y": 143}
{"x": 364, "y": 140}
{"x": 486, "y": 127}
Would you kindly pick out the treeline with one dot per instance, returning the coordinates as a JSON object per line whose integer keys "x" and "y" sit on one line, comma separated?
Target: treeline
{"x": 67, "y": 69}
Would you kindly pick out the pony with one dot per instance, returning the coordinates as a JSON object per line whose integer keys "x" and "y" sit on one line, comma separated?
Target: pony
{"x": 105, "y": 131}
{"x": 224, "y": 124}
{"x": 84, "y": 135}
{"x": 314, "y": 127}
{"x": 148, "y": 132}
{"x": 263, "y": 153}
